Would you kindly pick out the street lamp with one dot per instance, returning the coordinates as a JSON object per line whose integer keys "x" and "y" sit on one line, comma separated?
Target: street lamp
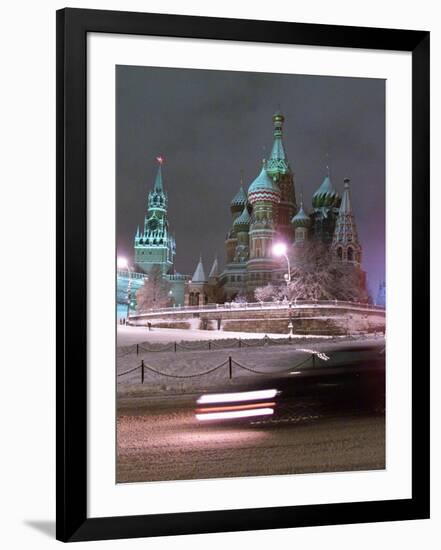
{"x": 279, "y": 250}
{"x": 122, "y": 263}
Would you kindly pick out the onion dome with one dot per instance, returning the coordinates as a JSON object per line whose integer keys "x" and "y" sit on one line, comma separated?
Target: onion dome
{"x": 263, "y": 188}
{"x": 239, "y": 200}
{"x": 242, "y": 223}
{"x": 326, "y": 196}
{"x": 301, "y": 219}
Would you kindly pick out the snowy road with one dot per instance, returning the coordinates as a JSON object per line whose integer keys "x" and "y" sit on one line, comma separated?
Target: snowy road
{"x": 164, "y": 443}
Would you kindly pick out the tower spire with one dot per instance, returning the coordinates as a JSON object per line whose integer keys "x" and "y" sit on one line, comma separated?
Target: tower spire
{"x": 214, "y": 271}
{"x": 199, "y": 273}
{"x": 158, "y": 187}
{"x": 345, "y": 242}
{"x": 153, "y": 245}
{"x": 278, "y": 150}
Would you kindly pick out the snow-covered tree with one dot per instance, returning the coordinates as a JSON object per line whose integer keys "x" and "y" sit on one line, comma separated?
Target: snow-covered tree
{"x": 266, "y": 293}
{"x": 315, "y": 275}
{"x": 155, "y": 293}
{"x": 240, "y": 298}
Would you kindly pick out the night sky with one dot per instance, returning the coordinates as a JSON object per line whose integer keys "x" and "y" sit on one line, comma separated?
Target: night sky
{"x": 210, "y": 125}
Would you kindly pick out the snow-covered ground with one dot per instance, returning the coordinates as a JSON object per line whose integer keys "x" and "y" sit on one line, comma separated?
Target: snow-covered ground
{"x": 193, "y": 367}
{"x": 127, "y": 336}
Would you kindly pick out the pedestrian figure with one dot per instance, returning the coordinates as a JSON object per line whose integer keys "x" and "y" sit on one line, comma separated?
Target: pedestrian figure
{"x": 149, "y": 324}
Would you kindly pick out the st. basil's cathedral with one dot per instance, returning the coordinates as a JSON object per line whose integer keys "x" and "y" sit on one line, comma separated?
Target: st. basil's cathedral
{"x": 268, "y": 213}
{"x": 264, "y": 214}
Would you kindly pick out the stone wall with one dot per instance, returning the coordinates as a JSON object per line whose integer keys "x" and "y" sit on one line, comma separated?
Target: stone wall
{"x": 305, "y": 320}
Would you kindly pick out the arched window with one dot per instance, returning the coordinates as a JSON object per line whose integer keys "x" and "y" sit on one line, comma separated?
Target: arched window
{"x": 339, "y": 252}
{"x": 350, "y": 255}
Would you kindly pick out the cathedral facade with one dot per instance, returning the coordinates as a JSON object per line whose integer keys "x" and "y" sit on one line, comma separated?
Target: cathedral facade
{"x": 267, "y": 212}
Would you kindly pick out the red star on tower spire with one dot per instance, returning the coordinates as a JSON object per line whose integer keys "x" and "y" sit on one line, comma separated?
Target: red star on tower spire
{"x": 160, "y": 159}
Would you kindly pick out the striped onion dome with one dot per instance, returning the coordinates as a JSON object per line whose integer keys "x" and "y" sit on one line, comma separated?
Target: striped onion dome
{"x": 326, "y": 196}
{"x": 263, "y": 188}
{"x": 301, "y": 219}
{"x": 239, "y": 200}
{"x": 242, "y": 223}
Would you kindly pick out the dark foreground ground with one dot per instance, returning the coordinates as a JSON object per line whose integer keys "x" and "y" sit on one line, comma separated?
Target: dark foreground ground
{"x": 157, "y": 441}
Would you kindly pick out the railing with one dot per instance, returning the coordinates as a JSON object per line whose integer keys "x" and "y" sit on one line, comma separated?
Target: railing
{"x": 177, "y": 277}
{"x": 123, "y": 273}
{"x": 229, "y": 343}
{"x": 233, "y": 306}
{"x": 133, "y": 274}
{"x": 314, "y": 357}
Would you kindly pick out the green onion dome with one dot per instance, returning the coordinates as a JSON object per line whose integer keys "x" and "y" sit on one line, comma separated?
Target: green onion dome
{"x": 239, "y": 200}
{"x": 301, "y": 219}
{"x": 326, "y": 196}
{"x": 263, "y": 188}
{"x": 242, "y": 223}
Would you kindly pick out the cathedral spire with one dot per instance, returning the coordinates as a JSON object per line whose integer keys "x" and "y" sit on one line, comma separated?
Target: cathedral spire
{"x": 277, "y": 163}
{"x": 345, "y": 242}
{"x": 345, "y": 206}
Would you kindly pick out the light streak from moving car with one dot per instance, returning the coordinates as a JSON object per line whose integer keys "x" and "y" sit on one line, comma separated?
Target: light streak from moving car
{"x": 224, "y": 406}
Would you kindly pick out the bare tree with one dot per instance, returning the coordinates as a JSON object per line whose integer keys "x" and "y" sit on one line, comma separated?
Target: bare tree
{"x": 155, "y": 293}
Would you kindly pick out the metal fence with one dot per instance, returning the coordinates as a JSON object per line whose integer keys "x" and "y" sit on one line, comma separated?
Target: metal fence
{"x": 229, "y": 364}
{"x": 210, "y": 345}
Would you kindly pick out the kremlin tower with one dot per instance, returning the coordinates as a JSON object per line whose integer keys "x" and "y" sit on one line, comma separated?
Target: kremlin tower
{"x": 155, "y": 245}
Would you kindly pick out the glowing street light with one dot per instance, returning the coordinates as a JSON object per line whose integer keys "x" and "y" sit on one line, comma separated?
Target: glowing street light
{"x": 280, "y": 249}
{"x": 122, "y": 263}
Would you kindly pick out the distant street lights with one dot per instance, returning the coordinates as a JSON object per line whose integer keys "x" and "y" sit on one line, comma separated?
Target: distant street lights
{"x": 122, "y": 263}
{"x": 279, "y": 250}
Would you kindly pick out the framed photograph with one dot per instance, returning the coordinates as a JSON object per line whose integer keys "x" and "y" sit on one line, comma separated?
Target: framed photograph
{"x": 242, "y": 275}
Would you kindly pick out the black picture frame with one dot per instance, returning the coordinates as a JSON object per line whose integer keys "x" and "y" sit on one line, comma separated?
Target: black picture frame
{"x": 71, "y": 427}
